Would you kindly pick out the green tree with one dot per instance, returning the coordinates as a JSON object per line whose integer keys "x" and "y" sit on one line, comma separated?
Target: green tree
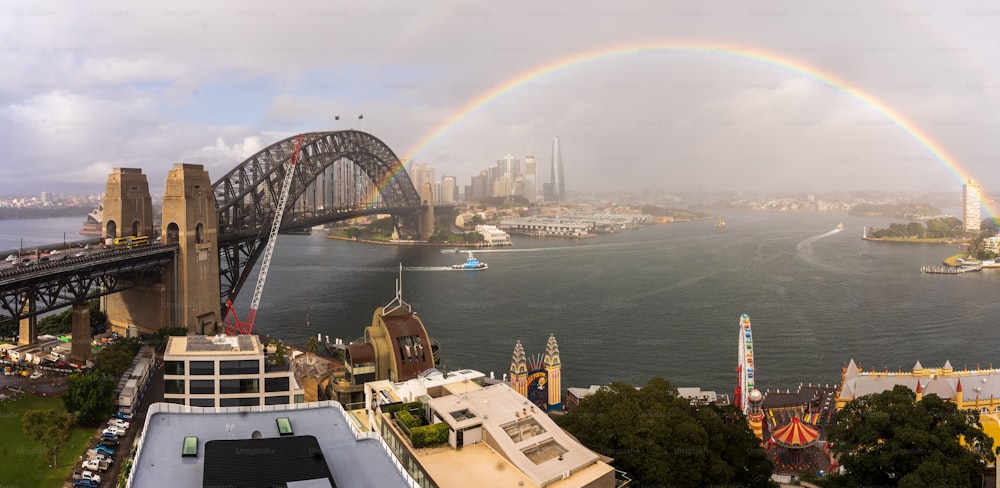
{"x": 50, "y": 428}
{"x": 890, "y": 439}
{"x": 311, "y": 345}
{"x": 90, "y": 396}
{"x": 116, "y": 358}
{"x": 659, "y": 438}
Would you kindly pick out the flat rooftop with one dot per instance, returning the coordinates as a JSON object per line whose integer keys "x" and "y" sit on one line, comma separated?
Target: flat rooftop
{"x": 213, "y": 346}
{"x": 521, "y": 433}
{"x": 318, "y": 429}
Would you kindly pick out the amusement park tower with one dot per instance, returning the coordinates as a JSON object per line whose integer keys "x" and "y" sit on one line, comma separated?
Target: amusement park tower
{"x": 519, "y": 370}
{"x": 558, "y": 185}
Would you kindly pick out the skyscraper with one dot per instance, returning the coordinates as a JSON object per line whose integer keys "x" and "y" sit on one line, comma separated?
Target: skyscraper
{"x": 971, "y": 216}
{"x": 558, "y": 185}
{"x": 530, "y": 189}
{"x": 449, "y": 189}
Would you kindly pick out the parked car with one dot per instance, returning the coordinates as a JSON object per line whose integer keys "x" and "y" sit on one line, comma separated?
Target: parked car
{"x": 114, "y": 431}
{"x": 86, "y": 475}
{"x": 124, "y": 416}
{"x": 105, "y": 449}
{"x": 112, "y": 443}
{"x": 82, "y": 483}
{"x": 118, "y": 423}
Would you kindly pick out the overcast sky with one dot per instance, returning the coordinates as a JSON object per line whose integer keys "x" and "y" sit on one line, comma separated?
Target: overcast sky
{"x": 89, "y": 86}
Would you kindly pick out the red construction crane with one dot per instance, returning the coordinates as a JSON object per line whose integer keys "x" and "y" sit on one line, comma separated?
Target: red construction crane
{"x": 233, "y": 324}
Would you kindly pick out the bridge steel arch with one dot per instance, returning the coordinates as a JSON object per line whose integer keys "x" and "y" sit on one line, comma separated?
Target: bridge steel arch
{"x": 247, "y": 196}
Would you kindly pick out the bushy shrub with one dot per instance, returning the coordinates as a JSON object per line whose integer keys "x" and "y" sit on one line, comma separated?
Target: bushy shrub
{"x": 429, "y": 435}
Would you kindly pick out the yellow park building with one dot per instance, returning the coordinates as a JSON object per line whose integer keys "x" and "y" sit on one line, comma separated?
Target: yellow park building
{"x": 971, "y": 389}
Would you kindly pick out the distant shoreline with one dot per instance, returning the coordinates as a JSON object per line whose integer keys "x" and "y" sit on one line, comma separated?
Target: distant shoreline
{"x": 914, "y": 240}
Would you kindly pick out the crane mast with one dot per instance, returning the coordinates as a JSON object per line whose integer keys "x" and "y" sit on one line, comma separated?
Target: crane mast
{"x": 247, "y": 327}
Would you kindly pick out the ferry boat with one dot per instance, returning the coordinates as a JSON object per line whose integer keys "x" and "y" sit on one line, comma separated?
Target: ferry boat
{"x": 94, "y": 223}
{"x": 470, "y": 264}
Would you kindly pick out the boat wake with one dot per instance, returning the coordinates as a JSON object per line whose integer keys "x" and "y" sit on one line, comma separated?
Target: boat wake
{"x": 804, "y": 250}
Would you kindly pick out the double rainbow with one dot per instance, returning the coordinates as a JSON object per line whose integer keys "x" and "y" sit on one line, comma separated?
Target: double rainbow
{"x": 739, "y": 52}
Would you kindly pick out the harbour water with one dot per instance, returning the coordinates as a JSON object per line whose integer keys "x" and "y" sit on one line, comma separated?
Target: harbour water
{"x": 659, "y": 301}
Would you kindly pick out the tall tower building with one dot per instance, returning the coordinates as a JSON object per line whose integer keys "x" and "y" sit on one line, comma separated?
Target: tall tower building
{"x": 553, "y": 372}
{"x": 449, "y": 189}
{"x": 519, "y": 370}
{"x": 558, "y": 184}
{"x": 971, "y": 209}
{"x": 530, "y": 188}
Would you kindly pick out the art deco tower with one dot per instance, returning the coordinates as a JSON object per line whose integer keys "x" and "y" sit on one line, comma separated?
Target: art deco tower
{"x": 558, "y": 185}
{"x": 553, "y": 373}
{"x": 519, "y": 370}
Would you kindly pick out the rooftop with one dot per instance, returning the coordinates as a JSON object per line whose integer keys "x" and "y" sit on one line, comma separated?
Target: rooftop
{"x": 518, "y": 431}
{"x": 213, "y": 346}
{"x": 229, "y": 439}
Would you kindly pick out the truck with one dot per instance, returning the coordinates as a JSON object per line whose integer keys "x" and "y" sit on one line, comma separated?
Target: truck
{"x": 101, "y": 465}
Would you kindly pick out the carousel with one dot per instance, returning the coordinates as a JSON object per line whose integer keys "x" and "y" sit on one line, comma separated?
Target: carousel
{"x": 793, "y": 448}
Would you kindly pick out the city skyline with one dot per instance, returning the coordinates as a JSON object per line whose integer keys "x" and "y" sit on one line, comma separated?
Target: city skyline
{"x": 719, "y": 97}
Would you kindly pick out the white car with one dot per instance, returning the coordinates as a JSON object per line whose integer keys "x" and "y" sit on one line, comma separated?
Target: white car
{"x": 87, "y": 475}
{"x": 114, "y": 430}
{"x": 12, "y": 258}
{"x": 36, "y": 375}
{"x": 118, "y": 423}
{"x": 95, "y": 464}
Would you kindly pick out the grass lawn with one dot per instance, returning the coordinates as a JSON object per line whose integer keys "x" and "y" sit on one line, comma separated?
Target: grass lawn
{"x": 22, "y": 459}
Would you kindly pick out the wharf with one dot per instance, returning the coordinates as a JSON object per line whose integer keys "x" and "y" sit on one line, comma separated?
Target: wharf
{"x": 950, "y": 269}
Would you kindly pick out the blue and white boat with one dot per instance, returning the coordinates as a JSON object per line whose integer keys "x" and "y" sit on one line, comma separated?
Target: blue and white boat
{"x": 471, "y": 264}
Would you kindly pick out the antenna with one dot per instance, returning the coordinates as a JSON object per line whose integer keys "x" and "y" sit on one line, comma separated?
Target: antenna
{"x": 397, "y": 302}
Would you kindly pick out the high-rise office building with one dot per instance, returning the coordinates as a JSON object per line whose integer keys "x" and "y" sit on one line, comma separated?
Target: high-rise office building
{"x": 558, "y": 184}
{"x": 971, "y": 210}
{"x": 530, "y": 189}
{"x": 449, "y": 189}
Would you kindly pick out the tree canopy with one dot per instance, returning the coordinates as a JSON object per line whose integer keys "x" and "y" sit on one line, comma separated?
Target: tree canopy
{"x": 50, "y": 428}
{"x": 659, "y": 438}
{"x": 91, "y": 396}
{"x": 890, "y": 439}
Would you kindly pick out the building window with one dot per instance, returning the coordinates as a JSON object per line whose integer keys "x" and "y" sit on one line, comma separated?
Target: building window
{"x": 276, "y": 384}
{"x": 203, "y": 387}
{"x": 251, "y": 366}
{"x": 202, "y": 367}
{"x": 202, "y": 402}
{"x": 251, "y": 385}
{"x": 239, "y": 402}
{"x": 175, "y": 387}
{"x": 276, "y": 400}
{"x": 178, "y": 401}
{"x": 173, "y": 367}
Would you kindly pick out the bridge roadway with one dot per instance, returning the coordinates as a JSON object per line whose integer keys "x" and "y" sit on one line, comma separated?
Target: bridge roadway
{"x": 58, "y": 284}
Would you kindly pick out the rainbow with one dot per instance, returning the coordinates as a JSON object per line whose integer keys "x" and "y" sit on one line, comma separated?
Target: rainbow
{"x": 732, "y": 51}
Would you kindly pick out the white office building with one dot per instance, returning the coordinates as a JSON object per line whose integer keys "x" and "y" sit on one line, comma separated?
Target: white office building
{"x": 227, "y": 371}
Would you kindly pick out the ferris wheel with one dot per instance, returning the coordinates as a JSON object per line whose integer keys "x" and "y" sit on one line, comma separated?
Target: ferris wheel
{"x": 746, "y": 369}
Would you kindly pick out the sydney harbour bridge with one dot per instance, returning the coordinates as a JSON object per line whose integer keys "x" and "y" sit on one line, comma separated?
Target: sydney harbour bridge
{"x": 339, "y": 175}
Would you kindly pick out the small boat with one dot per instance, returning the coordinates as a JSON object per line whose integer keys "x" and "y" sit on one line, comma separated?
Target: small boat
{"x": 840, "y": 226}
{"x": 470, "y": 264}
{"x": 720, "y": 222}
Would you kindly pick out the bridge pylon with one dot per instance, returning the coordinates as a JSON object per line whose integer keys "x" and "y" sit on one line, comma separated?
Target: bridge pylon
{"x": 128, "y": 211}
{"x": 426, "y": 222}
{"x": 128, "y": 208}
{"x": 190, "y": 219}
